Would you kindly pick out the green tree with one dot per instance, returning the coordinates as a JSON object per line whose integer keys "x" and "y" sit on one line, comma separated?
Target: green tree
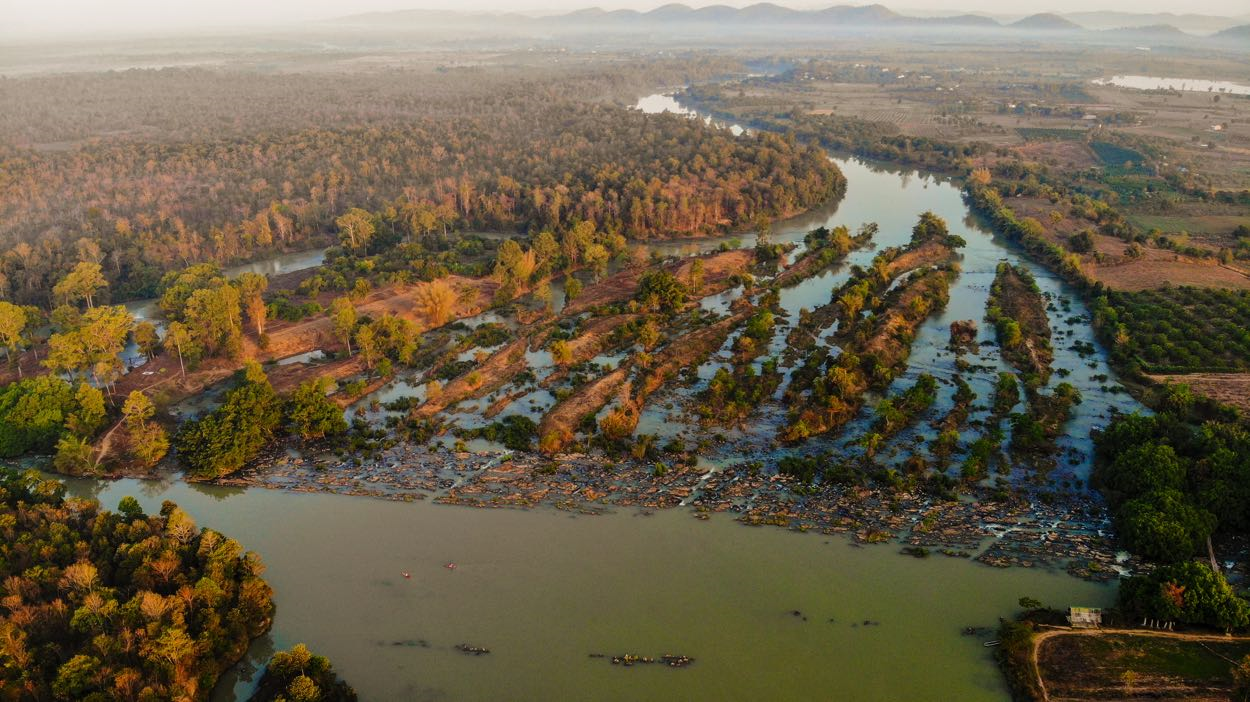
{"x": 649, "y": 334}
{"x": 356, "y": 228}
{"x": 75, "y": 456}
{"x": 1164, "y": 526}
{"x": 146, "y": 338}
{"x": 13, "y": 321}
{"x": 176, "y": 287}
{"x": 148, "y": 440}
{"x": 95, "y": 346}
{"x": 78, "y": 678}
{"x": 81, "y": 283}
{"x": 229, "y": 436}
{"x": 214, "y": 318}
{"x": 33, "y": 414}
{"x": 90, "y": 413}
{"x": 561, "y": 352}
{"x": 367, "y": 343}
{"x": 312, "y": 415}
{"x": 178, "y": 337}
{"x": 660, "y": 290}
{"x": 1144, "y": 468}
{"x": 1188, "y": 592}
{"x": 343, "y": 317}
{"x": 299, "y": 674}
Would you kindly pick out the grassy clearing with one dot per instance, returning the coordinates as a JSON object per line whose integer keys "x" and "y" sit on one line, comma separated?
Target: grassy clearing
{"x": 1050, "y": 134}
{"x": 1120, "y": 667}
{"x": 1197, "y": 224}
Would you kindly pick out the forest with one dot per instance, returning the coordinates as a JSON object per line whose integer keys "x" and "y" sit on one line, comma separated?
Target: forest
{"x": 528, "y": 155}
{"x": 102, "y": 605}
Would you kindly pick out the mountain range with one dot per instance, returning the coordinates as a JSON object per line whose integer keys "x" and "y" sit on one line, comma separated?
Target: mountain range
{"x": 766, "y": 16}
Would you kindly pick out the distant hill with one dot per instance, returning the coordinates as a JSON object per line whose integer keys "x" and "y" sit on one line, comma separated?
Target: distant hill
{"x": 725, "y": 22}
{"x": 960, "y": 21}
{"x": 1189, "y": 23}
{"x": 1238, "y": 33}
{"x": 1046, "y": 22}
{"x": 1156, "y": 32}
{"x": 866, "y": 14}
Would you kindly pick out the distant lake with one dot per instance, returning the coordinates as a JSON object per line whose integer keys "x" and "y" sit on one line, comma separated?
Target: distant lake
{"x": 1190, "y": 84}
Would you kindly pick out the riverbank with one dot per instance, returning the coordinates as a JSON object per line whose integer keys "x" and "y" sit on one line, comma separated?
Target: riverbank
{"x": 1000, "y": 528}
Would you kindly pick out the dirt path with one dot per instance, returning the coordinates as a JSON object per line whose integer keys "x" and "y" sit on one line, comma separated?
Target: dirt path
{"x": 1041, "y": 637}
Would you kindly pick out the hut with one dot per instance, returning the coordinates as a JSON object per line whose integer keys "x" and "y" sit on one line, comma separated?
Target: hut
{"x": 1084, "y": 617}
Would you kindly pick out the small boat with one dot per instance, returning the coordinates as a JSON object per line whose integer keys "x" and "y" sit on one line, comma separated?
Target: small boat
{"x": 405, "y": 573}
{"x": 450, "y": 566}
{"x": 991, "y": 644}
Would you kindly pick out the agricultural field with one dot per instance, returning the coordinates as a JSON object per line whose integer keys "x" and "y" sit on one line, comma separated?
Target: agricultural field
{"x": 1180, "y": 329}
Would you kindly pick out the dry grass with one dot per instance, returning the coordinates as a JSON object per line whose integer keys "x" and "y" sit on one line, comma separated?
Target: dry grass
{"x": 1228, "y": 388}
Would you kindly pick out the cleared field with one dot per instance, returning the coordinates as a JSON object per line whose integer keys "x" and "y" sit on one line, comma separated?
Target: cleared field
{"x": 1148, "y": 275}
{"x": 1127, "y": 667}
{"x": 1197, "y": 224}
{"x": 1228, "y": 388}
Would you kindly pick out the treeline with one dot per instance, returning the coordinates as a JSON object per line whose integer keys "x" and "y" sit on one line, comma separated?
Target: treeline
{"x": 1175, "y": 478}
{"x": 518, "y": 160}
{"x": 1174, "y": 481}
{"x": 104, "y": 605}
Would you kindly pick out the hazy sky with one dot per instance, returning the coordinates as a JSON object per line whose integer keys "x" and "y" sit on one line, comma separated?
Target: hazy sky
{"x": 109, "y": 16}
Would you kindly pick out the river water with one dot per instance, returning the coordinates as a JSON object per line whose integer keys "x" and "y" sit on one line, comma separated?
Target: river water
{"x": 894, "y": 199}
{"x": 544, "y": 589}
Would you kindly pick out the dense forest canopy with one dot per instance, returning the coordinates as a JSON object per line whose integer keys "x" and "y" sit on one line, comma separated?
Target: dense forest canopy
{"x": 120, "y": 605}
{"x": 522, "y": 155}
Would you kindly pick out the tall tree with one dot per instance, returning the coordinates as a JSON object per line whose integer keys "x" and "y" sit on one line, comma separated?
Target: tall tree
{"x": 252, "y": 288}
{"x": 356, "y": 228}
{"x": 12, "y": 331}
{"x": 82, "y": 283}
{"x": 148, "y": 440}
{"x": 214, "y": 319}
{"x": 146, "y": 338}
{"x": 367, "y": 342}
{"x": 179, "y": 337}
{"x": 95, "y": 346}
{"x": 343, "y": 317}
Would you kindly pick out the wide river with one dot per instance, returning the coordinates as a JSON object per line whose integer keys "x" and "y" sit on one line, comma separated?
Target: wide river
{"x": 544, "y": 589}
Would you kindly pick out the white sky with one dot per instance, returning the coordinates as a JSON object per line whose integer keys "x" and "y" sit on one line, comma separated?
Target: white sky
{"x": 41, "y": 17}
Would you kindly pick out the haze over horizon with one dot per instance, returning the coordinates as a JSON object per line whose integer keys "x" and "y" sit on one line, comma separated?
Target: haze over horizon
{"x": 36, "y": 18}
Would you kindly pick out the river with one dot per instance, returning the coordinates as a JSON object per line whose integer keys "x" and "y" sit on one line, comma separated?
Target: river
{"x": 544, "y": 589}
